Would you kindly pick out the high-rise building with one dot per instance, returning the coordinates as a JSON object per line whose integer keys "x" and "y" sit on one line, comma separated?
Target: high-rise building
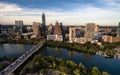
{"x": 76, "y": 34}
{"x": 89, "y": 31}
{"x": 43, "y": 19}
{"x": 18, "y": 26}
{"x": 118, "y": 30}
{"x": 43, "y": 25}
{"x": 57, "y": 30}
{"x": 36, "y": 29}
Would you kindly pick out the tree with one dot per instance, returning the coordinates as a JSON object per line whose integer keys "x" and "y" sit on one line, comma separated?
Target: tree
{"x": 105, "y": 73}
{"x": 95, "y": 71}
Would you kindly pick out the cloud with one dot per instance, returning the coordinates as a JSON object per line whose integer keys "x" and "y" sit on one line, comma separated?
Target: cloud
{"x": 78, "y": 15}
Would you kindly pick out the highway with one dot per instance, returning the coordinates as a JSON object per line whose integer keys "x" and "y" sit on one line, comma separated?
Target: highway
{"x": 13, "y": 66}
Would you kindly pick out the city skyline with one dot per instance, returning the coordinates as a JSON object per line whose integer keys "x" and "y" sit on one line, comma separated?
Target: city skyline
{"x": 72, "y": 12}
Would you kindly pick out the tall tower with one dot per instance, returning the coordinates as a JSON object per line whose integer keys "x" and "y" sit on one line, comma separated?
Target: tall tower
{"x": 43, "y": 25}
{"x": 43, "y": 19}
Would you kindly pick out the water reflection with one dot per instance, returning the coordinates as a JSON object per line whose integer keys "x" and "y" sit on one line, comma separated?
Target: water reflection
{"x": 56, "y": 49}
{"x": 71, "y": 53}
{"x": 110, "y": 65}
{"x": 87, "y": 56}
{"x": 14, "y": 50}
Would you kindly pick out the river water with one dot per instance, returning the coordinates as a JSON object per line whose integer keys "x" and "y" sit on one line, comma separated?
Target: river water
{"x": 111, "y": 65}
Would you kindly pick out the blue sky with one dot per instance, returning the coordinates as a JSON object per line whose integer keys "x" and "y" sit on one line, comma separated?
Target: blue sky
{"x": 70, "y": 12}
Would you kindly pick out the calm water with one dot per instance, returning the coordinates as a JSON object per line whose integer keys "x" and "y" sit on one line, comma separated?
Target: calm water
{"x": 110, "y": 65}
{"x": 13, "y": 50}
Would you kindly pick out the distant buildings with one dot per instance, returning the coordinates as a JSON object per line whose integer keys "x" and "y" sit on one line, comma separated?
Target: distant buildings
{"x": 6, "y": 29}
{"x": 18, "y": 26}
{"x": 81, "y": 35}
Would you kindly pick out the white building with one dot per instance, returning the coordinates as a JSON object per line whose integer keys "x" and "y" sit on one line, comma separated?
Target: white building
{"x": 55, "y": 37}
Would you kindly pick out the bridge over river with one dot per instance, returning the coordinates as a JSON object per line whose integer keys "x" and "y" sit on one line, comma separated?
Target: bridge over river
{"x": 13, "y": 66}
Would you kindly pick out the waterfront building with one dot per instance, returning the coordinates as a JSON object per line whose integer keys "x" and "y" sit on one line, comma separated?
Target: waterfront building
{"x": 55, "y": 37}
{"x": 111, "y": 39}
{"x": 76, "y": 34}
{"x": 18, "y": 26}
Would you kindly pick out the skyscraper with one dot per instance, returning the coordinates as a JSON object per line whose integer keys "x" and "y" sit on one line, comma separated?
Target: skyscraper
{"x": 89, "y": 31}
{"x": 36, "y": 28}
{"x": 43, "y": 19}
{"x": 43, "y": 25}
{"x": 57, "y": 30}
{"x": 18, "y": 26}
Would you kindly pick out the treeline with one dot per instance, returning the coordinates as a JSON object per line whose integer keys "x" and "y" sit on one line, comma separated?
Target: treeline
{"x": 20, "y": 41}
{"x": 43, "y": 64}
{"x": 87, "y": 47}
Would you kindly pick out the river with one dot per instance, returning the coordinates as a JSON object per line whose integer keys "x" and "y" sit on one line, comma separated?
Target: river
{"x": 111, "y": 65}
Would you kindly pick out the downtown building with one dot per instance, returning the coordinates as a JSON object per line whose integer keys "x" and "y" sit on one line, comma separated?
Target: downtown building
{"x": 89, "y": 34}
{"x": 18, "y": 28}
{"x": 43, "y": 25}
{"x": 36, "y": 30}
{"x": 112, "y": 39}
{"x": 57, "y": 34}
{"x": 76, "y": 34}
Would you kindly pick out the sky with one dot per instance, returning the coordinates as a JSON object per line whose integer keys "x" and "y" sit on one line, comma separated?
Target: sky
{"x": 69, "y": 12}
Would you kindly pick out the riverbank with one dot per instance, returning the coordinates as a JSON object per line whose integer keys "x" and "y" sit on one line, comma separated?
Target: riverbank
{"x": 19, "y": 41}
{"x": 87, "y": 47}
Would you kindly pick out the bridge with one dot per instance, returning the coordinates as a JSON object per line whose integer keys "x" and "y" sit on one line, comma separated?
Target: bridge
{"x": 13, "y": 66}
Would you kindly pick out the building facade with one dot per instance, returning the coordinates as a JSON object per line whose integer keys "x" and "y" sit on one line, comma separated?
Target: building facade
{"x": 43, "y": 25}
{"x": 18, "y": 26}
{"x": 89, "y": 31}
{"x": 57, "y": 29}
{"x": 76, "y": 34}
{"x": 36, "y": 29}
